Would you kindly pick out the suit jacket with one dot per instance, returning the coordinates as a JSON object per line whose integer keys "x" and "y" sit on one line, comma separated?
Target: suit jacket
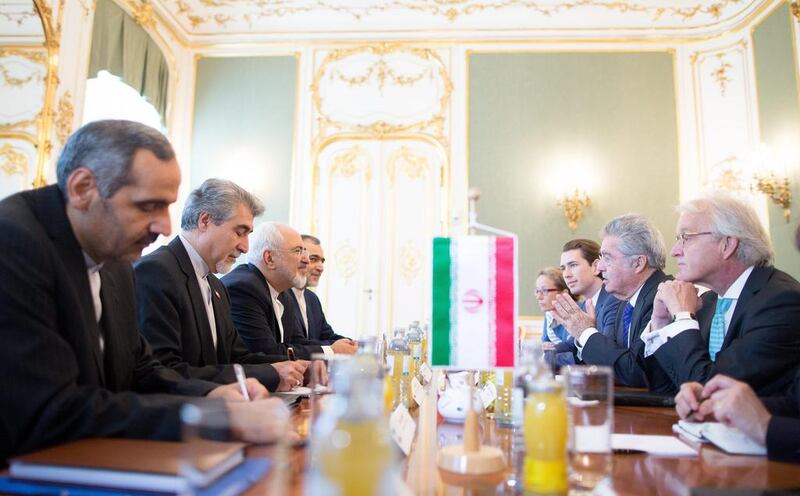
{"x": 783, "y": 431}
{"x": 255, "y": 319}
{"x": 605, "y": 310}
{"x": 564, "y": 352}
{"x": 173, "y": 318}
{"x": 609, "y": 348}
{"x": 58, "y": 385}
{"x": 319, "y": 330}
{"x": 762, "y": 343}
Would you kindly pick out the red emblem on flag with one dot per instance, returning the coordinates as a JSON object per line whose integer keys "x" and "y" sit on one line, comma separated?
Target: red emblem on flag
{"x": 472, "y": 301}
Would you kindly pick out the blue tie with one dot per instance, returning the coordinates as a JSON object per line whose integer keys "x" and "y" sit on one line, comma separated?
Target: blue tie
{"x": 717, "y": 334}
{"x": 626, "y": 322}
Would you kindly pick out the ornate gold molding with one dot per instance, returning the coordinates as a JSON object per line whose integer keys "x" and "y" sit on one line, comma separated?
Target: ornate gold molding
{"x": 21, "y": 124}
{"x": 350, "y": 162}
{"x": 9, "y": 80}
{"x": 37, "y": 56}
{"x": 720, "y": 74}
{"x": 794, "y": 7}
{"x": 413, "y": 165}
{"x": 346, "y": 260}
{"x": 66, "y": 114}
{"x": 382, "y": 128}
{"x": 410, "y": 262}
{"x": 12, "y": 162}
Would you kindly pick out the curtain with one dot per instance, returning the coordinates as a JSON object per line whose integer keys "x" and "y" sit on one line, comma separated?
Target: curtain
{"x": 123, "y": 48}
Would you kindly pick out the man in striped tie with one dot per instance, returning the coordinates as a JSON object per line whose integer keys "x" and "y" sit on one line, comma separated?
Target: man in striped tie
{"x": 749, "y": 324}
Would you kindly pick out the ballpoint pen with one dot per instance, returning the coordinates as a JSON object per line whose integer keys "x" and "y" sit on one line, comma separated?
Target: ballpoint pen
{"x": 240, "y": 378}
{"x": 290, "y": 352}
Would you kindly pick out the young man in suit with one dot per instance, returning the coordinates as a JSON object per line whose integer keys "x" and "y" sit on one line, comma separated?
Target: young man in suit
{"x": 72, "y": 361}
{"x": 751, "y": 331}
{"x": 632, "y": 257}
{"x": 580, "y": 259}
{"x": 772, "y": 422}
{"x": 308, "y": 309}
{"x": 262, "y": 314}
{"x": 184, "y": 310}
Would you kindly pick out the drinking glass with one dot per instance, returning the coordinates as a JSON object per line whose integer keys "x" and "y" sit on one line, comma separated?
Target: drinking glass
{"x": 591, "y": 421}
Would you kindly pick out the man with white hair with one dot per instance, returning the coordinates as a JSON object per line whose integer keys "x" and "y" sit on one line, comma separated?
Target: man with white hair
{"x": 632, "y": 256}
{"x": 184, "y": 310}
{"x": 278, "y": 260}
{"x": 752, "y": 334}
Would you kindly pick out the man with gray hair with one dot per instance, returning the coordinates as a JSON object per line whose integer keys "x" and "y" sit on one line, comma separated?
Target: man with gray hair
{"x": 261, "y": 311}
{"x": 749, "y": 330}
{"x": 72, "y": 361}
{"x": 185, "y": 311}
{"x": 632, "y": 256}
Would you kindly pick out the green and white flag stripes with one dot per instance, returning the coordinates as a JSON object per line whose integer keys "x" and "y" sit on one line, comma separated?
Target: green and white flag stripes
{"x": 474, "y": 302}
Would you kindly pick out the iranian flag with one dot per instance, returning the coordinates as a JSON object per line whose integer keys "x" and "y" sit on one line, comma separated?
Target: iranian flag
{"x": 474, "y": 302}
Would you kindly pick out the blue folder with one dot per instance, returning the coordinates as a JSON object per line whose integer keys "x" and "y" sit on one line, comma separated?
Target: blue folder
{"x": 234, "y": 482}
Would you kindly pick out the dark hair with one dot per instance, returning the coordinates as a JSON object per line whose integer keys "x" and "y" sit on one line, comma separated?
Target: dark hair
{"x": 555, "y": 275}
{"x": 219, "y": 198}
{"x": 107, "y": 148}
{"x": 307, "y": 238}
{"x": 590, "y": 250}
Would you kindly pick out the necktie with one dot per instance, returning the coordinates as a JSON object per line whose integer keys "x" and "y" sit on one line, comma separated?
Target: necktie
{"x": 626, "y": 323}
{"x": 717, "y": 334}
{"x": 212, "y": 321}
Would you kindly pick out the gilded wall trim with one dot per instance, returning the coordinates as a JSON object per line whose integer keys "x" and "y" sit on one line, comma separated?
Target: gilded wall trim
{"x": 66, "y": 115}
{"x": 13, "y": 162}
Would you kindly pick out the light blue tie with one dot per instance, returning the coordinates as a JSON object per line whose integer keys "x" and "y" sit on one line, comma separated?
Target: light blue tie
{"x": 717, "y": 334}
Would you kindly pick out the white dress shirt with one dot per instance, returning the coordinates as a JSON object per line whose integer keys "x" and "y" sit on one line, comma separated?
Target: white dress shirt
{"x": 653, "y": 340}
{"x": 93, "y": 271}
{"x": 277, "y": 306}
{"x": 585, "y": 335}
{"x": 201, "y": 271}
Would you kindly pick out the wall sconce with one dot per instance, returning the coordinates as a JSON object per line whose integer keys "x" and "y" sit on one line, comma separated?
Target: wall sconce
{"x": 573, "y": 206}
{"x": 771, "y": 174}
{"x": 777, "y": 189}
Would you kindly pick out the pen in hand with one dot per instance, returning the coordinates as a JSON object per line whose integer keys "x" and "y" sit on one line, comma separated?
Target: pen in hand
{"x": 240, "y": 378}
{"x": 290, "y": 353}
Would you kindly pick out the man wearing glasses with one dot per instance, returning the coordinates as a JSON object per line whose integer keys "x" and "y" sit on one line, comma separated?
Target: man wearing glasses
{"x": 308, "y": 309}
{"x": 751, "y": 332}
{"x": 264, "y": 318}
{"x": 632, "y": 256}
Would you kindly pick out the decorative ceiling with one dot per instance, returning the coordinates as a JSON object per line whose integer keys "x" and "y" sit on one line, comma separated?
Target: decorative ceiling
{"x": 231, "y": 19}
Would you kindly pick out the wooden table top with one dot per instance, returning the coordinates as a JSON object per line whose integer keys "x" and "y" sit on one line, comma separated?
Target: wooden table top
{"x": 634, "y": 474}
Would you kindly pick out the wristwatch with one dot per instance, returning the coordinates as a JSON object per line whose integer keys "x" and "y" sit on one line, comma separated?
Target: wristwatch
{"x": 683, "y": 316}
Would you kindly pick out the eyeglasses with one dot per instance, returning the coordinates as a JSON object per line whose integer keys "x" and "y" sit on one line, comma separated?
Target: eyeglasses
{"x": 299, "y": 251}
{"x": 686, "y": 236}
{"x": 542, "y": 291}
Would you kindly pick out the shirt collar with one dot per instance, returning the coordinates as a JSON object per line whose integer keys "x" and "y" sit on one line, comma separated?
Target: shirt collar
{"x": 273, "y": 293}
{"x": 298, "y": 293}
{"x": 91, "y": 265}
{"x": 635, "y": 296}
{"x": 596, "y": 297}
{"x": 736, "y": 288}
{"x": 200, "y": 266}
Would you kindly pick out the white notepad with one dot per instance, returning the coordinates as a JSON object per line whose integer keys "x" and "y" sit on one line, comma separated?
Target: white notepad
{"x": 655, "y": 445}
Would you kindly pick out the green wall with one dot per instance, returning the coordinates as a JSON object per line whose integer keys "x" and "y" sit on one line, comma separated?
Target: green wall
{"x": 244, "y": 117}
{"x": 779, "y": 120}
{"x": 527, "y": 110}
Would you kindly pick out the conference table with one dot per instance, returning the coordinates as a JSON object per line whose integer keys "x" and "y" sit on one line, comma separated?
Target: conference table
{"x": 634, "y": 474}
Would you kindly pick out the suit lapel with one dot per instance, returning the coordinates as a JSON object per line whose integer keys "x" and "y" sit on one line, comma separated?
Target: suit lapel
{"x": 223, "y": 355}
{"x": 650, "y": 286}
{"x": 51, "y": 212}
{"x": 108, "y": 297}
{"x": 758, "y": 278}
{"x": 196, "y": 297}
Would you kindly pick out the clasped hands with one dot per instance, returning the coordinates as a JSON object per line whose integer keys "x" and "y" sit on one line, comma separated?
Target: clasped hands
{"x": 729, "y": 401}
{"x": 673, "y": 297}
{"x": 569, "y": 314}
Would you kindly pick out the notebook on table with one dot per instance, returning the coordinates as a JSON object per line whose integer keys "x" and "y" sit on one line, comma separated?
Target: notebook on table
{"x": 126, "y": 463}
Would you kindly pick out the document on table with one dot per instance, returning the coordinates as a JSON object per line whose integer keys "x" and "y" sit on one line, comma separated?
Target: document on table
{"x": 654, "y": 445}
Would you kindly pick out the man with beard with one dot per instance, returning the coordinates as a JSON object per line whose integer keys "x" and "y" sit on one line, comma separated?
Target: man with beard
{"x": 262, "y": 315}
{"x": 72, "y": 362}
{"x": 184, "y": 310}
{"x": 308, "y": 309}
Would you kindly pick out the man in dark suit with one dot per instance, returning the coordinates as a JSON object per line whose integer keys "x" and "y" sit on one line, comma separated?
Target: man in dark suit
{"x": 262, "y": 312}
{"x": 72, "y": 362}
{"x": 632, "y": 258}
{"x": 307, "y": 307}
{"x": 751, "y": 332}
{"x": 184, "y": 310}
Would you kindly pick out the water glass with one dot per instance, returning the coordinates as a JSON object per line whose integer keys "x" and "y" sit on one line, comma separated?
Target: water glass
{"x": 590, "y": 393}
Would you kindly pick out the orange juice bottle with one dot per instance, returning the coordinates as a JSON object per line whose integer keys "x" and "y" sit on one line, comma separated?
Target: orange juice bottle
{"x": 545, "y": 428}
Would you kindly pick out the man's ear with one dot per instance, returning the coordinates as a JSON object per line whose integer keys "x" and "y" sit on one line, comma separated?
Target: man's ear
{"x": 729, "y": 246}
{"x": 203, "y": 220}
{"x": 267, "y": 259}
{"x": 594, "y": 266}
{"x": 81, "y": 188}
{"x": 640, "y": 263}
